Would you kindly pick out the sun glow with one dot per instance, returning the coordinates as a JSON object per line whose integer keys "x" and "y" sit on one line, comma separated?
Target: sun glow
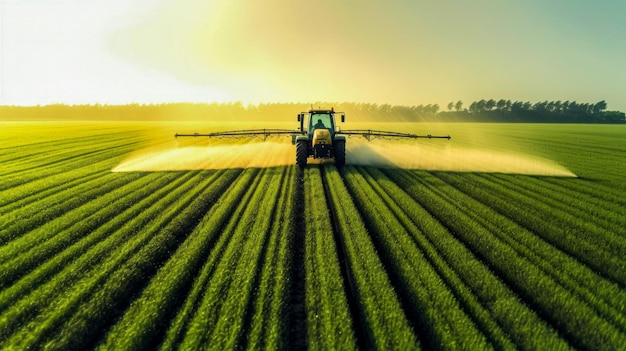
{"x": 393, "y": 52}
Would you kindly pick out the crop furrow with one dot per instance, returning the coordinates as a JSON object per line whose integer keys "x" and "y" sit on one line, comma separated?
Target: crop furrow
{"x": 558, "y": 232}
{"x": 225, "y": 248}
{"x": 70, "y": 321}
{"x": 50, "y": 192}
{"x": 147, "y": 319}
{"x": 31, "y": 226}
{"x": 297, "y": 318}
{"x": 20, "y": 256}
{"x": 590, "y": 207}
{"x": 328, "y": 311}
{"x": 480, "y": 292}
{"x": 94, "y": 248}
{"x": 228, "y": 293}
{"x": 266, "y": 322}
{"x": 22, "y": 159}
{"x": 607, "y": 298}
{"x": 563, "y": 309}
{"x": 390, "y": 328}
{"x": 429, "y": 300}
{"x": 35, "y": 188}
{"x": 76, "y": 162}
{"x": 578, "y": 214}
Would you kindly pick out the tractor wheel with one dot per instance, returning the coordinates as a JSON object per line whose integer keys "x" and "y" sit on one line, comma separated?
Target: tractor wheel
{"x": 302, "y": 153}
{"x": 340, "y": 153}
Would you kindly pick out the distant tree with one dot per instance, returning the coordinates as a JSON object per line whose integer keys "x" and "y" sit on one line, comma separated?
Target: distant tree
{"x": 501, "y": 104}
{"x": 599, "y": 107}
{"x": 473, "y": 107}
{"x": 540, "y": 106}
{"x": 480, "y": 105}
{"x": 450, "y": 105}
{"x": 458, "y": 106}
{"x": 420, "y": 109}
{"x": 490, "y": 104}
{"x": 431, "y": 109}
{"x": 435, "y": 109}
{"x": 517, "y": 106}
{"x": 572, "y": 107}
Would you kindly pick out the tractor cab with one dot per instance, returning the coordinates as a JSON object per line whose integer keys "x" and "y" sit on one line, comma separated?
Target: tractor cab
{"x": 318, "y": 136}
{"x": 318, "y": 119}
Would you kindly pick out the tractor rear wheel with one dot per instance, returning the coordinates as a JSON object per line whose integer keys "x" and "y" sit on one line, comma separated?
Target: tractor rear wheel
{"x": 302, "y": 153}
{"x": 340, "y": 152}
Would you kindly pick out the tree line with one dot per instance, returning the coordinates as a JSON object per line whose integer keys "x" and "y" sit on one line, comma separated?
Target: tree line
{"x": 538, "y": 112}
{"x": 478, "y": 111}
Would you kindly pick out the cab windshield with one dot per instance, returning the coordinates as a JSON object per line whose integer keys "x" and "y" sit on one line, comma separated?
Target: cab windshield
{"x": 320, "y": 120}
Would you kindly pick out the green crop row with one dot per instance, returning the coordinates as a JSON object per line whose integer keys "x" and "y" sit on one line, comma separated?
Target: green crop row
{"x": 384, "y": 320}
{"x": 220, "y": 319}
{"x": 67, "y": 321}
{"x": 578, "y": 213}
{"x": 80, "y": 158}
{"x": 601, "y": 195}
{"x": 564, "y": 309}
{"x": 225, "y": 249}
{"x": 46, "y": 193}
{"x": 92, "y": 249}
{"x": 36, "y": 189}
{"x": 495, "y": 309}
{"x": 561, "y": 232}
{"x": 438, "y": 311}
{"x": 269, "y": 322}
{"x": 607, "y": 297}
{"x": 19, "y": 256}
{"x": 33, "y": 224}
{"x": 566, "y": 194}
{"x": 146, "y": 319}
{"x": 328, "y": 316}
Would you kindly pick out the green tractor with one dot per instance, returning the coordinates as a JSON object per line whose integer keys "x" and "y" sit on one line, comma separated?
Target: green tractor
{"x": 319, "y": 137}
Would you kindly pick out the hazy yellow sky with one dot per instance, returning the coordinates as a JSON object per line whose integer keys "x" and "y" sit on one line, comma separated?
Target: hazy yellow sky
{"x": 398, "y": 52}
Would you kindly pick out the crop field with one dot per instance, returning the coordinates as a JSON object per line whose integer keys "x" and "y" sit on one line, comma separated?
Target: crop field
{"x": 115, "y": 236}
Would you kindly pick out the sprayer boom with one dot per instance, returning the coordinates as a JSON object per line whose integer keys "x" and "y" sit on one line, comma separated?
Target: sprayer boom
{"x": 244, "y": 133}
{"x": 318, "y": 137}
{"x": 381, "y": 134}
{"x": 368, "y": 134}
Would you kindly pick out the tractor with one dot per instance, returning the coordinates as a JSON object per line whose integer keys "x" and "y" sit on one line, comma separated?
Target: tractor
{"x": 318, "y": 136}
{"x": 320, "y": 139}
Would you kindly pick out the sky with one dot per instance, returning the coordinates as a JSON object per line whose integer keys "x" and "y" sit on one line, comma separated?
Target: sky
{"x": 398, "y": 52}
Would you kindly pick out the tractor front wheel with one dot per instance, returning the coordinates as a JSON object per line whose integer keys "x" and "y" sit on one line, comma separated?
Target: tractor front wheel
{"x": 302, "y": 153}
{"x": 340, "y": 152}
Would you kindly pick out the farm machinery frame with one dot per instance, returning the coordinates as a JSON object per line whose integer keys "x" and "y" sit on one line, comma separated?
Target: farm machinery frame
{"x": 318, "y": 137}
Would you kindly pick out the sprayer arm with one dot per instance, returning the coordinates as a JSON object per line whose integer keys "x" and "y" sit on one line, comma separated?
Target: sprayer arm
{"x": 370, "y": 134}
{"x": 243, "y": 133}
